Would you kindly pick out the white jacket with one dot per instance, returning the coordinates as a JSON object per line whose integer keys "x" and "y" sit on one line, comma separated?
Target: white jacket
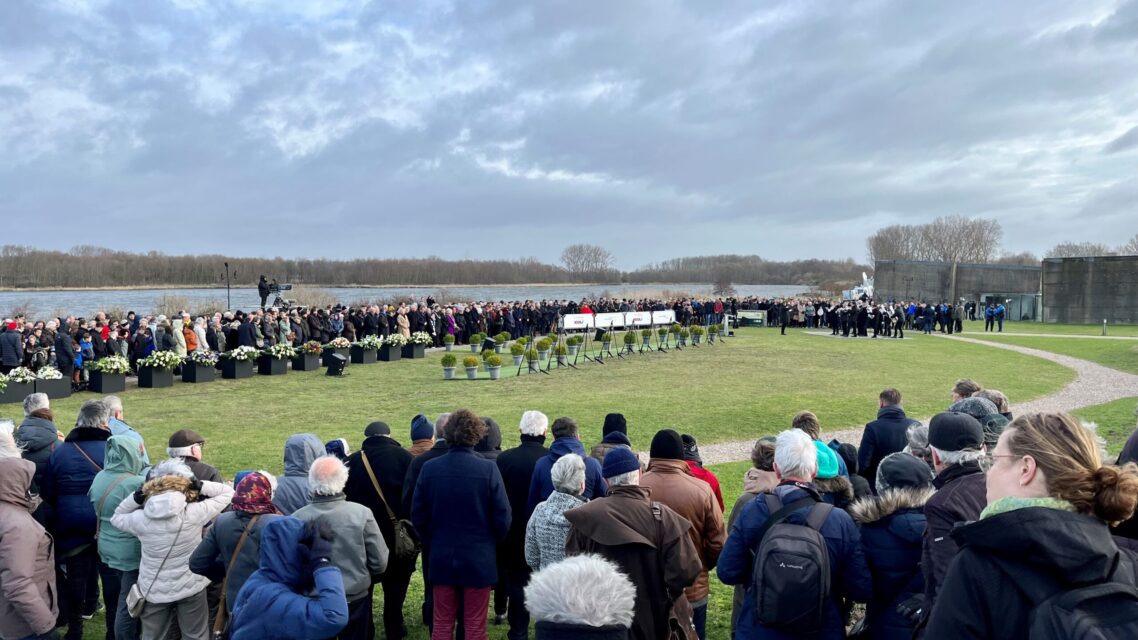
{"x": 156, "y": 525}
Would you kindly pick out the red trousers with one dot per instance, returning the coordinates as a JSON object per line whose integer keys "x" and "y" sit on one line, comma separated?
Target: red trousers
{"x": 474, "y": 602}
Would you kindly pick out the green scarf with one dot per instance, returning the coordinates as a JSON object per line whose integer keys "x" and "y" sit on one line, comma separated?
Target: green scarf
{"x": 1011, "y": 503}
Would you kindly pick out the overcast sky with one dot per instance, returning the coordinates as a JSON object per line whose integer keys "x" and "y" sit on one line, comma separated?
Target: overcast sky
{"x": 345, "y": 128}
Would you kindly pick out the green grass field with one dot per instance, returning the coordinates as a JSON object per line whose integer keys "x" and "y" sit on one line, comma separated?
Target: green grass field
{"x": 1058, "y": 329}
{"x": 745, "y": 388}
{"x": 1121, "y": 354}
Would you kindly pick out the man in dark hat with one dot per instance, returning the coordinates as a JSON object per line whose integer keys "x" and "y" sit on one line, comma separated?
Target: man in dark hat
{"x": 187, "y": 445}
{"x": 613, "y": 434}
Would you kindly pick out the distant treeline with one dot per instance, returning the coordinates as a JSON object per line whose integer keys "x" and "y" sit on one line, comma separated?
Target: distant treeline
{"x": 86, "y": 266}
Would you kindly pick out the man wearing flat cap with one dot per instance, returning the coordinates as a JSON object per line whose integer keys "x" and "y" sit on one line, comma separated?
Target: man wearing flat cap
{"x": 187, "y": 445}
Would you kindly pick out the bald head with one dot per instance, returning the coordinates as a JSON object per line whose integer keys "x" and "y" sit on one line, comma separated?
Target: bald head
{"x": 327, "y": 476}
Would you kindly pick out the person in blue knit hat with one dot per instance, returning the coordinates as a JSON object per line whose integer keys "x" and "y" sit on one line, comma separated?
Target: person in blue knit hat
{"x": 422, "y": 435}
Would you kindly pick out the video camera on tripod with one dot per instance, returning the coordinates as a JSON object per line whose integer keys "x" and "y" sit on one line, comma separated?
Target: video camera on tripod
{"x": 281, "y": 302}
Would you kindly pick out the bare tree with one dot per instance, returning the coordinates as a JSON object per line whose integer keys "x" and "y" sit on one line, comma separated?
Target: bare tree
{"x": 1130, "y": 248}
{"x": 1026, "y": 258}
{"x": 895, "y": 242}
{"x": 947, "y": 239}
{"x": 1079, "y": 250}
{"x": 723, "y": 287}
{"x": 586, "y": 258}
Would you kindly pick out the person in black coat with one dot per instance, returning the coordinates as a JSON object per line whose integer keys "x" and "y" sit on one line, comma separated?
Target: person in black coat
{"x": 389, "y": 462}
{"x": 11, "y": 348}
{"x": 883, "y": 436}
{"x": 64, "y": 353}
{"x": 246, "y": 334}
{"x": 409, "y": 482}
{"x": 516, "y": 466}
{"x": 1043, "y": 533}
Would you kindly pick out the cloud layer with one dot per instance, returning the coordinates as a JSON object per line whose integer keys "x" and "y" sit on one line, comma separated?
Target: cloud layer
{"x": 483, "y": 129}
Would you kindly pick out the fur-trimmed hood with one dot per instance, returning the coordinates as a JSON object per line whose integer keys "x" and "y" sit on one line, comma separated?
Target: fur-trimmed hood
{"x": 839, "y": 487}
{"x": 875, "y": 508}
{"x": 582, "y": 590}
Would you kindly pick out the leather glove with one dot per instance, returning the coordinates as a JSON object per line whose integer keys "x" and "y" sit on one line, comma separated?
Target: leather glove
{"x": 318, "y": 538}
{"x": 912, "y": 608}
{"x": 139, "y": 497}
{"x": 196, "y": 485}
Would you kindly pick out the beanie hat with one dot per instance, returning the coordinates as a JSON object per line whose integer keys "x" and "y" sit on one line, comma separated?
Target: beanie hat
{"x": 377, "y": 428}
{"x": 903, "y": 471}
{"x": 421, "y": 428}
{"x": 691, "y": 448}
{"x": 619, "y": 460}
{"x": 827, "y": 460}
{"x": 667, "y": 445}
{"x": 614, "y": 422}
{"x": 338, "y": 448}
{"x": 616, "y": 437}
{"x": 951, "y": 431}
{"x": 975, "y": 406}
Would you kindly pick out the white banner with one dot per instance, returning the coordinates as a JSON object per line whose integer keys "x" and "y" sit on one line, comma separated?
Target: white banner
{"x": 638, "y": 319}
{"x": 663, "y": 317}
{"x": 576, "y": 321}
{"x": 608, "y": 320}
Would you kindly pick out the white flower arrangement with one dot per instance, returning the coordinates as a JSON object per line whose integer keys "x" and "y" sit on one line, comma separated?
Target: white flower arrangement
{"x": 111, "y": 365}
{"x": 49, "y": 372}
{"x": 370, "y": 343}
{"x": 242, "y": 354}
{"x": 160, "y": 360}
{"x": 3, "y": 382}
{"x": 22, "y": 374}
{"x": 396, "y": 340}
{"x": 282, "y": 351}
{"x": 421, "y": 337}
{"x": 204, "y": 357}
{"x": 339, "y": 343}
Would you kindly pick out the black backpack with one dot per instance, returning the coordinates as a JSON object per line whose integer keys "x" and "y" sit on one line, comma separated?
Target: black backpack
{"x": 1103, "y": 611}
{"x": 791, "y": 573}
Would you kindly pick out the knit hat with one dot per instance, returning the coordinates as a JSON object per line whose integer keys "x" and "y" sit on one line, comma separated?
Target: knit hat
{"x": 421, "y": 428}
{"x": 691, "y": 448}
{"x": 185, "y": 438}
{"x": 952, "y": 431}
{"x": 615, "y": 422}
{"x": 667, "y": 445}
{"x": 976, "y": 407}
{"x": 377, "y": 428}
{"x": 254, "y": 494}
{"x": 616, "y": 437}
{"x": 619, "y": 460}
{"x": 827, "y": 460}
{"x": 903, "y": 471}
{"x": 339, "y": 448}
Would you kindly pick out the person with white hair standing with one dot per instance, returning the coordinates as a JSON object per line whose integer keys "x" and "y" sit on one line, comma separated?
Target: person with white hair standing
{"x": 581, "y": 598}
{"x": 37, "y": 435}
{"x": 358, "y": 549}
{"x": 795, "y": 601}
{"x": 516, "y": 466}
{"x": 167, "y": 515}
{"x": 547, "y": 528}
{"x": 119, "y": 427}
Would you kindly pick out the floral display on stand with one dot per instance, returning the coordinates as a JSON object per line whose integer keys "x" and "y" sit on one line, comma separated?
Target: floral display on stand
{"x": 242, "y": 354}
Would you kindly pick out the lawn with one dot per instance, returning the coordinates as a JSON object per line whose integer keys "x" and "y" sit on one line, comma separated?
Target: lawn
{"x": 1121, "y": 354}
{"x": 1063, "y": 329}
{"x": 1115, "y": 421}
{"x": 749, "y": 386}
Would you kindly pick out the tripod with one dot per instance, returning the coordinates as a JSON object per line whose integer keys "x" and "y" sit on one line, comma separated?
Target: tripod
{"x": 558, "y": 344}
{"x": 583, "y": 352}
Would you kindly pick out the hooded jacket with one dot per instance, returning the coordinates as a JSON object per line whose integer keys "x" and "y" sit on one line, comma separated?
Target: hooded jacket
{"x": 892, "y": 526}
{"x": 165, "y": 520}
{"x": 37, "y": 438}
{"x": 542, "y": 483}
{"x": 274, "y": 602}
{"x": 490, "y": 446}
{"x": 211, "y": 558}
{"x": 118, "y": 481}
{"x": 300, "y": 451}
{"x": 883, "y": 436}
{"x": 65, "y": 484}
{"x": 983, "y": 594}
{"x": 27, "y": 560}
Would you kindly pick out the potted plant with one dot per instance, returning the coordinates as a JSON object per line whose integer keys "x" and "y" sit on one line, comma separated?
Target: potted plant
{"x": 238, "y": 363}
{"x": 533, "y": 359}
{"x": 606, "y": 341}
{"x": 683, "y": 335}
{"x": 338, "y": 346}
{"x": 471, "y": 364}
{"x": 543, "y": 347}
{"x": 697, "y": 334}
{"x": 629, "y": 340}
{"x": 392, "y": 349}
{"x": 201, "y": 366}
{"x": 517, "y": 350}
{"x": 308, "y": 357}
{"x": 108, "y": 375}
{"x": 17, "y": 385}
{"x": 417, "y": 347}
{"x": 476, "y": 342}
{"x": 365, "y": 350}
{"x": 50, "y": 380}
{"x": 156, "y": 370}
{"x": 449, "y": 361}
{"x": 501, "y": 341}
{"x": 712, "y": 332}
{"x": 645, "y": 337}
{"x": 448, "y": 342}
{"x": 494, "y": 366}
{"x": 274, "y": 360}
{"x": 562, "y": 353}
{"x": 572, "y": 345}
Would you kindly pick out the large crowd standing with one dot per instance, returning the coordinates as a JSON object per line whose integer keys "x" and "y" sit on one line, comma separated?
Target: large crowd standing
{"x": 978, "y": 524}
{"x": 856, "y": 318}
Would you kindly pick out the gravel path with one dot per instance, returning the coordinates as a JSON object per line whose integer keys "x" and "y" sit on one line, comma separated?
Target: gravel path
{"x": 1057, "y": 335}
{"x": 1094, "y": 384}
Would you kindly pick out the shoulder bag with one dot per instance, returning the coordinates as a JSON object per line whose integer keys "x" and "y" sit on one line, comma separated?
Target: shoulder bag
{"x": 135, "y": 599}
{"x": 406, "y": 544}
{"x": 221, "y": 623}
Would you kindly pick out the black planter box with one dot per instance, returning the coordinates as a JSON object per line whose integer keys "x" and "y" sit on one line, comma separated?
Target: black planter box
{"x": 270, "y": 366}
{"x": 236, "y": 369}
{"x": 326, "y": 358}
{"x": 151, "y": 378}
{"x": 54, "y": 388}
{"x": 196, "y": 373}
{"x": 305, "y": 362}
{"x": 16, "y": 392}
{"x": 388, "y": 353}
{"x": 363, "y": 356}
{"x": 413, "y": 351}
{"x": 100, "y": 382}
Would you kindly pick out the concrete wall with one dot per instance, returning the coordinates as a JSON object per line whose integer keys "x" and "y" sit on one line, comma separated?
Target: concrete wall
{"x": 933, "y": 281}
{"x": 1088, "y": 290}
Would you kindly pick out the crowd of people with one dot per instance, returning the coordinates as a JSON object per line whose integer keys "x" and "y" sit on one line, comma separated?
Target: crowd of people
{"x": 979, "y": 524}
{"x": 856, "y": 318}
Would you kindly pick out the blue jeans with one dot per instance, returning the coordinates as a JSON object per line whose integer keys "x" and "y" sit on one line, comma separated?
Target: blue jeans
{"x": 699, "y": 619}
{"x": 126, "y": 627}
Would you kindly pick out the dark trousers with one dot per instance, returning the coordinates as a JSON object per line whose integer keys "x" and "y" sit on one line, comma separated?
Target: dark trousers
{"x": 360, "y": 624}
{"x": 699, "y": 619}
{"x": 80, "y": 590}
{"x": 513, "y": 583}
{"x": 394, "y": 583}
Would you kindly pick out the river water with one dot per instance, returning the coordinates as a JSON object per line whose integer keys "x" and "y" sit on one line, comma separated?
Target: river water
{"x": 43, "y": 304}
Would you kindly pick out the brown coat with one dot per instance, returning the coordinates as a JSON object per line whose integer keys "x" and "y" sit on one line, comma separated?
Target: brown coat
{"x": 673, "y": 484}
{"x": 420, "y": 446}
{"x": 657, "y": 557}
{"x": 27, "y": 558}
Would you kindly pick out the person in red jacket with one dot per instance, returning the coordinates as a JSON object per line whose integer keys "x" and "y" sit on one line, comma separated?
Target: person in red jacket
{"x": 695, "y": 462}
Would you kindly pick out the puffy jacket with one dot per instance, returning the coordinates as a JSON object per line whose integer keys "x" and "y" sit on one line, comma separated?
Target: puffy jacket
{"x": 542, "y": 484}
{"x": 358, "y": 548}
{"x": 547, "y": 530}
{"x": 892, "y": 525}
{"x": 118, "y": 481}
{"x": 211, "y": 558}
{"x": 672, "y": 483}
{"x": 65, "y": 484}
{"x": 300, "y": 451}
{"x": 883, "y": 436}
{"x": 37, "y": 438}
{"x": 849, "y": 574}
{"x": 961, "y": 496}
{"x": 167, "y": 519}
{"x": 274, "y": 602}
{"x": 27, "y": 561}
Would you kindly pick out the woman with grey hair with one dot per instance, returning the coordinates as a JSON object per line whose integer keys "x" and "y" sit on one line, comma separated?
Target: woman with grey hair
{"x": 547, "y": 528}
{"x": 585, "y": 596}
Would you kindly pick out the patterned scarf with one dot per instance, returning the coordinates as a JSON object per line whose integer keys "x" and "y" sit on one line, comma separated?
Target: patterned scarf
{"x": 254, "y": 495}
{"x": 1011, "y": 503}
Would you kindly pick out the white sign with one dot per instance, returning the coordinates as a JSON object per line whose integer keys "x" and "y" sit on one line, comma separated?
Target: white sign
{"x": 638, "y": 318}
{"x": 574, "y": 321}
{"x": 609, "y": 320}
{"x": 663, "y": 317}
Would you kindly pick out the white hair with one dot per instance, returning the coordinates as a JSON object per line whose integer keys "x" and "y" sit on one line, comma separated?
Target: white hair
{"x": 584, "y": 589}
{"x": 568, "y": 474}
{"x": 93, "y": 413}
{"x": 958, "y": 457}
{"x": 114, "y": 404}
{"x": 631, "y": 479}
{"x": 35, "y": 401}
{"x": 8, "y": 446}
{"x": 534, "y": 423}
{"x": 795, "y": 455}
{"x": 440, "y": 424}
{"x": 327, "y": 476}
{"x": 171, "y": 467}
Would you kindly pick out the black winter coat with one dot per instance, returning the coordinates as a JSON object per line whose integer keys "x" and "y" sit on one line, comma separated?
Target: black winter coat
{"x": 516, "y": 466}
{"x": 37, "y": 438}
{"x": 883, "y": 436}
{"x": 961, "y": 496}
{"x": 415, "y": 468}
{"x": 11, "y": 348}
{"x": 390, "y": 462}
{"x": 983, "y": 595}
{"x": 64, "y": 352}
